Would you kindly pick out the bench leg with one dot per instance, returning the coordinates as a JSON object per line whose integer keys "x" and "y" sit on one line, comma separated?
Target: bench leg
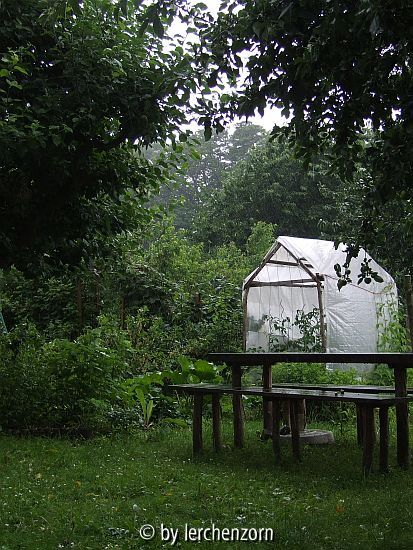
{"x": 276, "y": 417}
{"x": 267, "y": 414}
{"x": 368, "y": 438}
{"x": 384, "y": 439}
{"x": 301, "y": 411}
{"x": 295, "y": 428}
{"x": 197, "y": 423}
{"x": 238, "y": 421}
{"x": 216, "y": 422}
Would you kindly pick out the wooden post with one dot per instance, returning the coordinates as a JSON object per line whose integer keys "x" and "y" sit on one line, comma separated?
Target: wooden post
{"x": 402, "y": 417}
{"x": 245, "y": 319}
{"x": 237, "y": 408}
{"x": 323, "y": 333}
{"x": 276, "y": 414}
{"x": 368, "y": 438}
{"x": 409, "y": 304}
{"x": 384, "y": 438}
{"x": 79, "y": 302}
{"x": 295, "y": 429}
{"x": 267, "y": 403}
{"x": 216, "y": 422}
{"x": 197, "y": 423}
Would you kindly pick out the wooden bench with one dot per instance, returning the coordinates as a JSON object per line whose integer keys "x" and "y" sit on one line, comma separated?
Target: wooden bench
{"x": 367, "y": 402}
{"x": 365, "y": 398}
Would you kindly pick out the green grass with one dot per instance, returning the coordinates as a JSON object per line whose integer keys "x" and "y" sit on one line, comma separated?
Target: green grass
{"x": 97, "y": 494}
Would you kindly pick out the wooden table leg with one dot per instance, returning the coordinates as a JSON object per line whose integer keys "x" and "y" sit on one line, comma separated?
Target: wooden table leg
{"x": 402, "y": 418}
{"x": 197, "y": 423}
{"x": 295, "y": 429}
{"x": 267, "y": 403}
{"x": 384, "y": 438}
{"x": 276, "y": 417}
{"x": 237, "y": 408}
{"x": 368, "y": 438}
{"x": 216, "y": 422}
{"x": 359, "y": 416}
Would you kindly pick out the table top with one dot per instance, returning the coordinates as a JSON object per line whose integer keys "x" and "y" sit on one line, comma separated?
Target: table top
{"x": 393, "y": 360}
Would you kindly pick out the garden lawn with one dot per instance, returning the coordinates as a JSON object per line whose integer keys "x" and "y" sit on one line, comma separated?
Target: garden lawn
{"x": 97, "y": 494}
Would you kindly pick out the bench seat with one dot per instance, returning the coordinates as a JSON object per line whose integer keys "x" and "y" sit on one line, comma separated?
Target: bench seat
{"x": 288, "y": 392}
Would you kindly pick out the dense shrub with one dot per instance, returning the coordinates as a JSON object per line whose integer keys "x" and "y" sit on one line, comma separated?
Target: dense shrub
{"x": 59, "y": 384}
{"x": 312, "y": 373}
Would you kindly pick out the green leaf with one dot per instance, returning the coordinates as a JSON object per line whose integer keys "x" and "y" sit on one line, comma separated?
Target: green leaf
{"x": 20, "y": 69}
{"x": 341, "y": 283}
{"x": 141, "y": 399}
{"x": 207, "y": 133}
{"x": 158, "y": 27}
{"x": 149, "y": 410}
{"x": 258, "y": 27}
{"x": 14, "y": 84}
{"x": 4, "y": 73}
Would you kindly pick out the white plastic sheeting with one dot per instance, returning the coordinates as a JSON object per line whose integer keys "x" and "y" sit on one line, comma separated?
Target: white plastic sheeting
{"x": 285, "y": 283}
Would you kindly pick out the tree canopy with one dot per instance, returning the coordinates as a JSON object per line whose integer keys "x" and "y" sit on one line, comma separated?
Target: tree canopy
{"x": 269, "y": 186}
{"x": 337, "y": 69}
{"x": 205, "y": 168}
{"x": 81, "y": 92}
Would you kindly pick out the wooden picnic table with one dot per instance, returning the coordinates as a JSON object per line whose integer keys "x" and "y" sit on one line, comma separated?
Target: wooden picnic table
{"x": 366, "y": 399}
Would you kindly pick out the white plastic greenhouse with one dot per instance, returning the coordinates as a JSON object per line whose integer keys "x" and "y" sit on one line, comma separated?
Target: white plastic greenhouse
{"x": 291, "y": 301}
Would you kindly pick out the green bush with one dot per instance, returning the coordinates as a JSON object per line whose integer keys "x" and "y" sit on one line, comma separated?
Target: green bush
{"x": 60, "y": 384}
{"x": 312, "y": 373}
{"x": 22, "y": 382}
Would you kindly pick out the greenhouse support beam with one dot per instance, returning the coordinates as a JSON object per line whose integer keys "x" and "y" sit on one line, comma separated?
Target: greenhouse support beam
{"x": 245, "y": 313}
{"x": 409, "y": 304}
{"x": 321, "y": 308}
{"x": 291, "y": 282}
